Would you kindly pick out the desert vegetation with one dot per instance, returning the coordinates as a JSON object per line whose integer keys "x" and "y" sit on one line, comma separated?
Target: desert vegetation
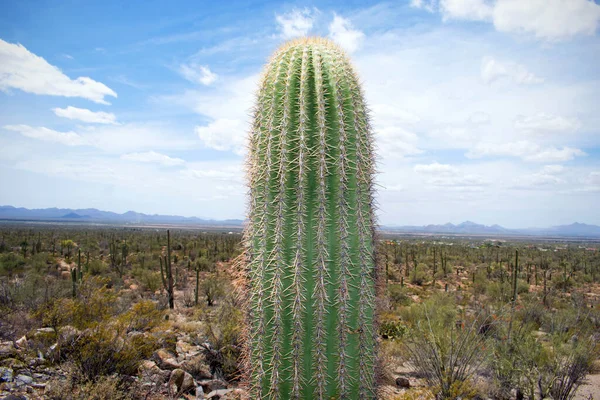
{"x": 459, "y": 318}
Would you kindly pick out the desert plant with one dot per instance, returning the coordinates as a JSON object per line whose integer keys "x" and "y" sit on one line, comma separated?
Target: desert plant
{"x": 310, "y": 242}
{"x": 447, "y": 356}
{"x": 166, "y": 273}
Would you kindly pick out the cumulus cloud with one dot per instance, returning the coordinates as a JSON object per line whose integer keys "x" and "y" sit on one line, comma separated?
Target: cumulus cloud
{"x": 23, "y": 70}
{"x": 223, "y": 135}
{"x": 547, "y": 19}
{"x": 445, "y": 175}
{"x": 477, "y": 10}
{"x": 493, "y": 70}
{"x": 47, "y": 135}
{"x": 153, "y": 157}
{"x": 436, "y": 169}
{"x": 543, "y": 19}
{"x": 85, "y": 115}
{"x": 526, "y": 150}
{"x": 546, "y": 123}
{"x": 342, "y": 32}
{"x": 197, "y": 73}
{"x": 295, "y": 23}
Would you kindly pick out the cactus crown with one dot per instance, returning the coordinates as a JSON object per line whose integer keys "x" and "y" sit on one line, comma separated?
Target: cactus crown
{"x": 310, "y": 237}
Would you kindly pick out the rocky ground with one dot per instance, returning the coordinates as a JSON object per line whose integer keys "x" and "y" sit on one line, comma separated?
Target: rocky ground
{"x": 183, "y": 374}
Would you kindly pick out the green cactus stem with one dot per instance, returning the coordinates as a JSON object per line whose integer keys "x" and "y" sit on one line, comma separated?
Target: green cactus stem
{"x": 310, "y": 237}
{"x": 166, "y": 273}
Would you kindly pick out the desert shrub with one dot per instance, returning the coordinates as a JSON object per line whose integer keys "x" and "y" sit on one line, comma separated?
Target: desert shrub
{"x": 106, "y": 348}
{"x": 224, "y": 332}
{"x": 11, "y": 263}
{"x": 97, "y": 268}
{"x": 398, "y": 295}
{"x": 566, "y": 366}
{"x": 446, "y": 353}
{"x": 149, "y": 280}
{"x": 73, "y": 387}
{"x": 392, "y": 329}
{"x": 213, "y": 288}
{"x": 419, "y": 276}
{"x": 143, "y": 316}
{"x": 440, "y": 307}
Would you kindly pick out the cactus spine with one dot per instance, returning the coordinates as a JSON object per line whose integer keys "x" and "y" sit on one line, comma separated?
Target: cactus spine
{"x": 310, "y": 237}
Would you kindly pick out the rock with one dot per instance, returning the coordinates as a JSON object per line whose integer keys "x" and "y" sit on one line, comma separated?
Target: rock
{"x": 6, "y": 374}
{"x": 53, "y": 353}
{"x": 21, "y": 380}
{"x": 230, "y": 394}
{"x": 210, "y": 385}
{"x": 198, "y": 367}
{"x": 65, "y": 275}
{"x": 199, "y": 393}
{"x": 68, "y": 334}
{"x": 148, "y": 370}
{"x": 185, "y": 349}
{"x": 165, "y": 360}
{"x": 22, "y": 343}
{"x": 14, "y": 397}
{"x": 218, "y": 394}
{"x": 7, "y": 350}
{"x": 13, "y": 363}
{"x": 402, "y": 382}
{"x": 181, "y": 382}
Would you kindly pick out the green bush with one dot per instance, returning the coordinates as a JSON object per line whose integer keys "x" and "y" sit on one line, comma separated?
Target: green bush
{"x": 11, "y": 263}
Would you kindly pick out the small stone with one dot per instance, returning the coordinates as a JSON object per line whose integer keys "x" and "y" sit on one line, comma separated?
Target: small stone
{"x": 199, "y": 393}
{"x": 218, "y": 394}
{"x": 21, "y": 380}
{"x": 14, "y": 397}
{"x": 181, "y": 381}
{"x": 6, "y": 374}
{"x": 402, "y": 382}
{"x": 22, "y": 343}
{"x": 210, "y": 385}
{"x": 166, "y": 360}
{"x": 7, "y": 349}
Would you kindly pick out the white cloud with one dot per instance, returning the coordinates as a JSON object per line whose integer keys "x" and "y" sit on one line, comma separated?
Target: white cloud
{"x": 295, "y": 23}
{"x": 112, "y": 138}
{"x": 153, "y": 157}
{"x": 547, "y": 19}
{"x": 436, "y": 169}
{"x": 553, "y": 169}
{"x": 23, "y": 70}
{"x": 527, "y": 151}
{"x": 428, "y": 5}
{"x": 197, "y": 73}
{"x": 223, "y": 135}
{"x": 478, "y": 10}
{"x": 445, "y": 175}
{"x": 47, "y": 135}
{"x": 85, "y": 115}
{"x": 546, "y": 123}
{"x": 395, "y": 142}
{"x": 479, "y": 118}
{"x": 493, "y": 70}
{"x": 544, "y": 19}
{"x": 342, "y": 32}
{"x": 593, "y": 178}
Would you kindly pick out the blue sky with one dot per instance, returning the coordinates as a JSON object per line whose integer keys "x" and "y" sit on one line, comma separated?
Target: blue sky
{"x": 483, "y": 110}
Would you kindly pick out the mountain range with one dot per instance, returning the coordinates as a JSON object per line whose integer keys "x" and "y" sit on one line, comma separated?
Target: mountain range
{"x": 92, "y": 215}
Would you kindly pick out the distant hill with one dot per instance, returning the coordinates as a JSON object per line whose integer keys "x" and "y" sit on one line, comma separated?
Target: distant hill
{"x": 576, "y": 229}
{"x": 93, "y": 215}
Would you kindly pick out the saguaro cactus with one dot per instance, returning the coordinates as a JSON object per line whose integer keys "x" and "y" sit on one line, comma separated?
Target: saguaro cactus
{"x": 166, "y": 273}
{"x": 310, "y": 237}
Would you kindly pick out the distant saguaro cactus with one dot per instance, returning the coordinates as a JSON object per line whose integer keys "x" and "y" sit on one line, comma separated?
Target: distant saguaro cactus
{"x": 310, "y": 237}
